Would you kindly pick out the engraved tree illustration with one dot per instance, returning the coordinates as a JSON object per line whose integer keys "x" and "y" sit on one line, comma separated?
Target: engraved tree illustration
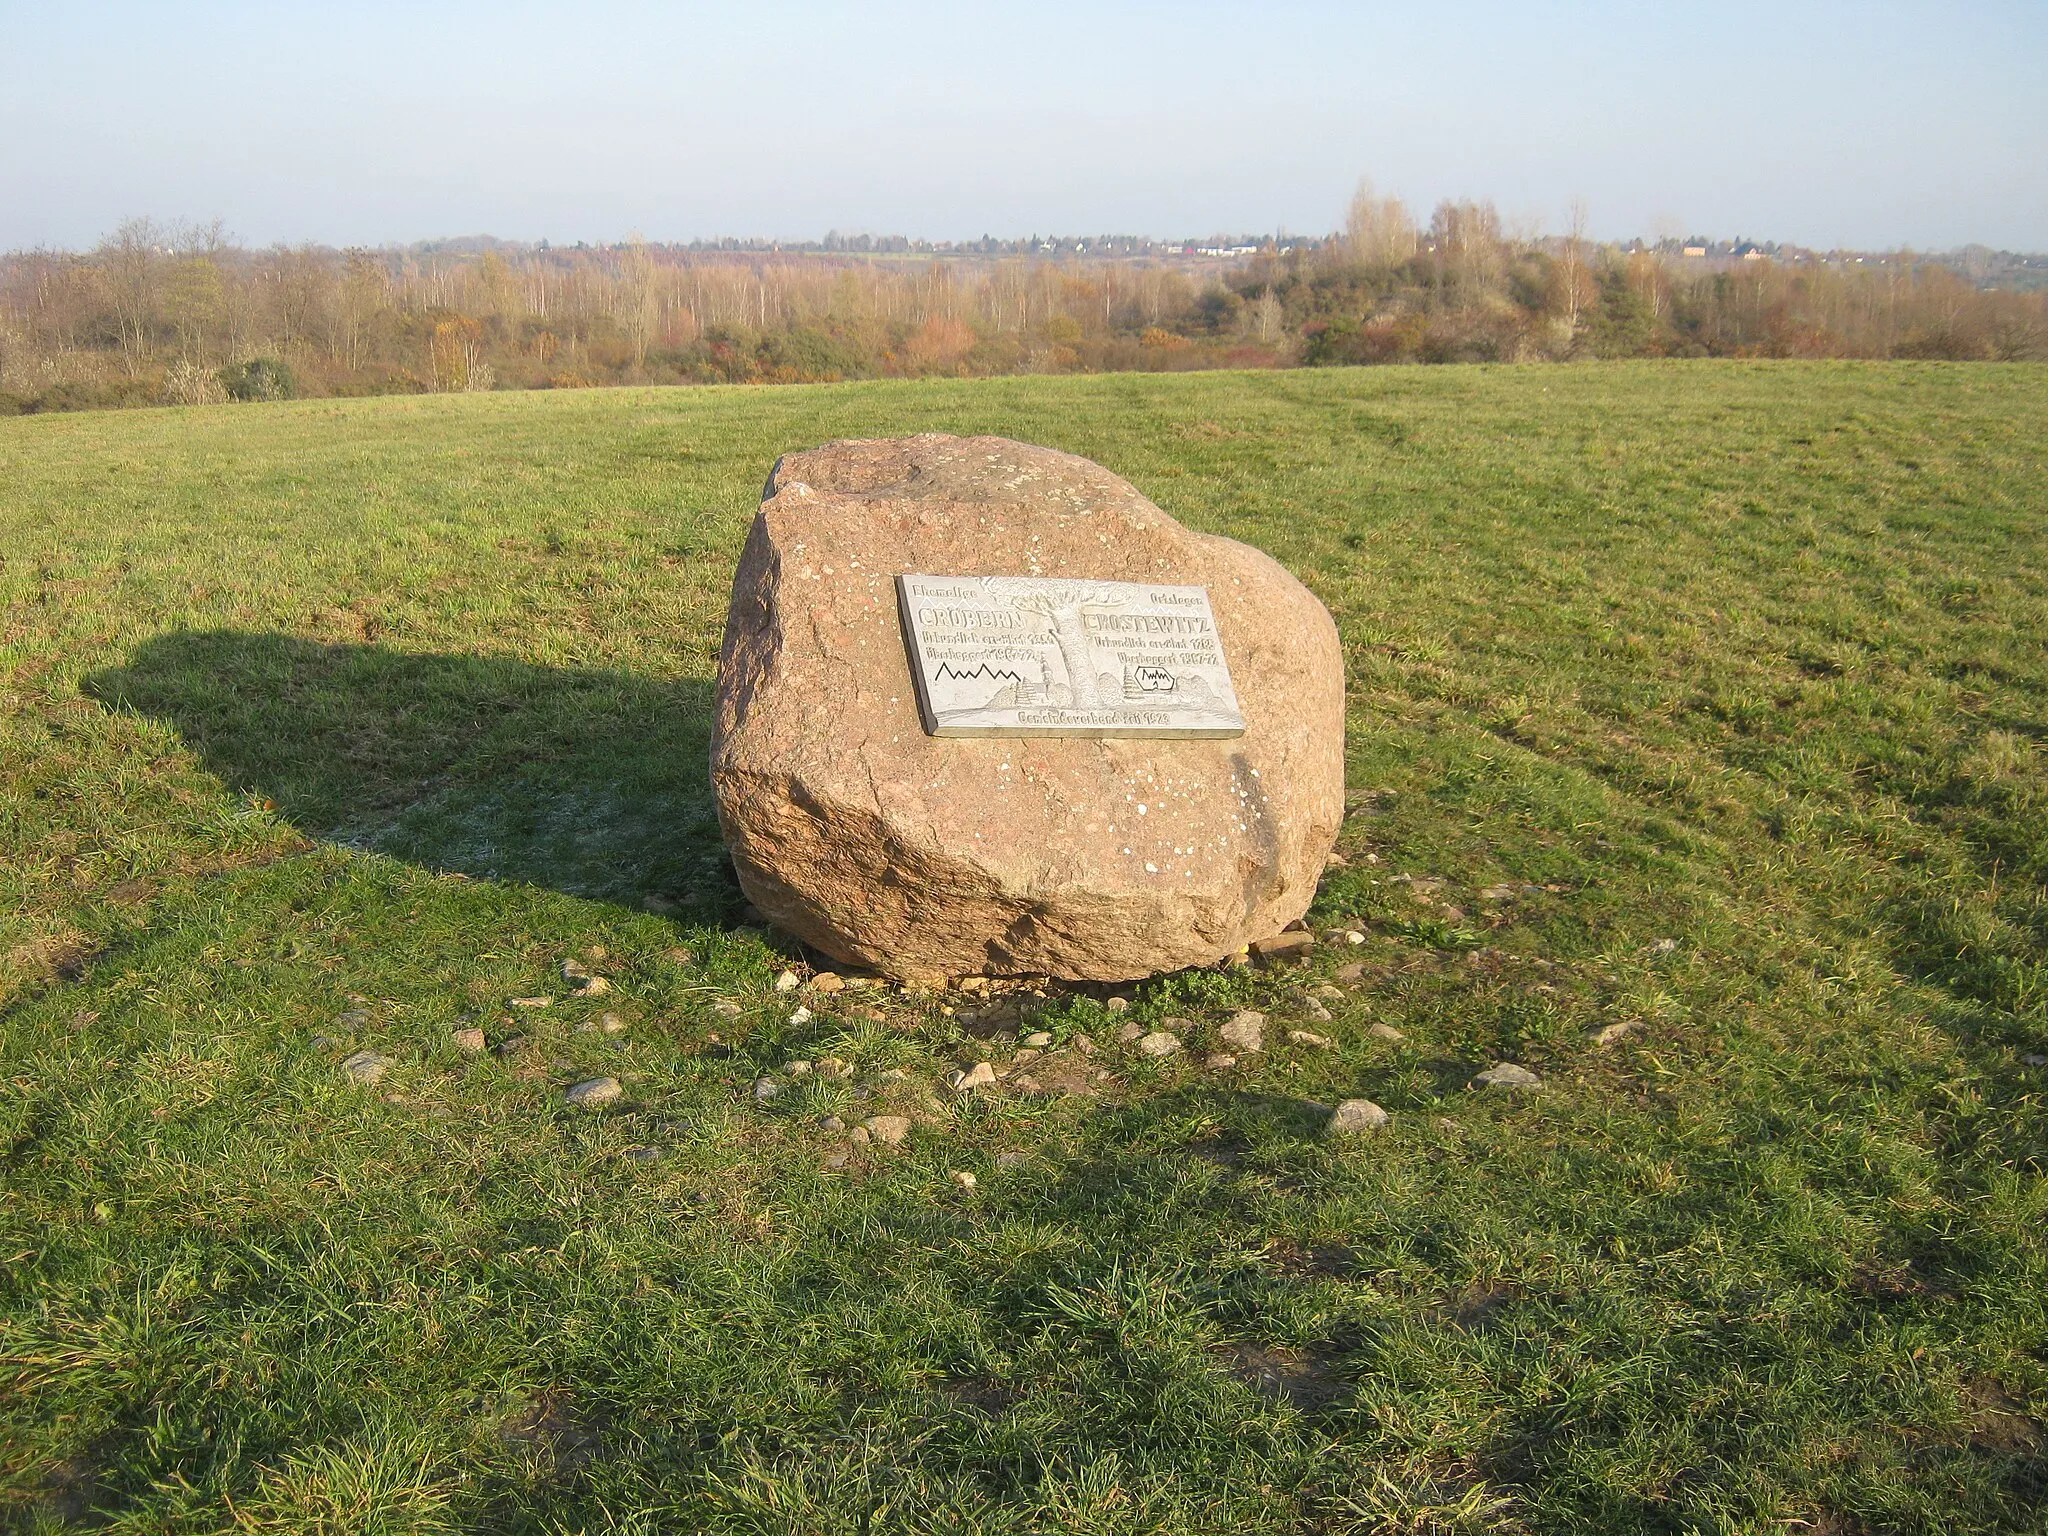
{"x": 1061, "y": 605}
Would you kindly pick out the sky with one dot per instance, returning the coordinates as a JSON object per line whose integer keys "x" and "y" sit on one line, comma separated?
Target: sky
{"x": 359, "y": 122}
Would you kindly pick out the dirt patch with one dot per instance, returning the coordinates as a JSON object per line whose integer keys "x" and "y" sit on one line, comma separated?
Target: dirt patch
{"x": 1999, "y": 1421}
{"x": 64, "y": 1497}
{"x": 1056, "y": 1076}
{"x": 979, "y": 1394}
{"x": 1311, "y": 1261}
{"x": 1481, "y": 1303}
{"x": 59, "y": 956}
{"x": 1305, "y": 1378}
{"x": 552, "y": 1427}
{"x": 1893, "y": 1282}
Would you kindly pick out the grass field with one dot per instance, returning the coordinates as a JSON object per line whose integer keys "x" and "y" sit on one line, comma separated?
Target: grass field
{"x": 335, "y": 725}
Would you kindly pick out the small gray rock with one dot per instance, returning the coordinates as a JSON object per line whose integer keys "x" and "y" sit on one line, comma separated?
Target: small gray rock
{"x": 1308, "y": 1037}
{"x": 888, "y": 1129}
{"x": 639, "y": 1154}
{"x": 2034, "y": 1059}
{"x": 1507, "y": 1075}
{"x": 1385, "y": 1032}
{"x": 366, "y": 1067}
{"x": 765, "y": 1088}
{"x": 1355, "y": 1117}
{"x": 323, "y": 1042}
{"x": 592, "y": 1092}
{"x": 1613, "y": 1032}
{"x": 1129, "y": 1033}
{"x": 980, "y": 1075}
{"x": 1245, "y": 1033}
{"x": 1038, "y": 1039}
{"x": 831, "y": 1123}
{"x": 1219, "y": 1060}
{"x": 468, "y": 1041}
{"x": 1117, "y": 1004}
{"x": 1158, "y": 1044}
{"x": 1316, "y": 1010}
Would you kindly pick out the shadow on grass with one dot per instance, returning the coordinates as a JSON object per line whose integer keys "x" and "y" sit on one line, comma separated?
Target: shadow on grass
{"x": 590, "y": 782}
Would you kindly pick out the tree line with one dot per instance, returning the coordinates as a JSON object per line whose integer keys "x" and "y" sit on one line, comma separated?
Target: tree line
{"x": 157, "y": 315}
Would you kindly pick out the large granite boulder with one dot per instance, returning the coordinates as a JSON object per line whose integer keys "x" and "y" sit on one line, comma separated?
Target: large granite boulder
{"x": 925, "y": 857}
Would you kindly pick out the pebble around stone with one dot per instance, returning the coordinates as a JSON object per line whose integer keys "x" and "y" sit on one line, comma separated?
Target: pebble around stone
{"x": 1315, "y": 1010}
{"x": 1507, "y": 1075}
{"x": 765, "y": 1088}
{"x": 468, "y": 1041}
{"x": 1219, "y": 1060}
{"x": 1038, "y": 1039}
{"x": 593, "y": 1092}
{"x": 786, "y": 982}
{"x": 1385, "y": 1032}
{"x": 1614, "y": 1032}
{"x": 1246, "y": 1032}
{"x": 1354, "y": 1117}
{"x": 1158, "y": 1044}
{"x": 888, "y": 1129}
{"x": 1129, "y": 1033}
{"x": 1308, "y": 1037}
{"x": 367, "y": 1067}
{"x": 831, "y": 1123}
{"x": 1117, "y": 1004}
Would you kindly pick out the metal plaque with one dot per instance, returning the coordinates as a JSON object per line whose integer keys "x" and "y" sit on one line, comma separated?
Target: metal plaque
{"x": 1041, "y": 656}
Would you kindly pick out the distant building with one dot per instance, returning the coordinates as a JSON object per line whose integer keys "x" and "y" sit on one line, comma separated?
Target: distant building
{"x": 1695, "y": 250}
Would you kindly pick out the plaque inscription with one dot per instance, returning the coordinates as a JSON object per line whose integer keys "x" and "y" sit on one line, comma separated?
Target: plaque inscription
{"x": 1042, "y": 656}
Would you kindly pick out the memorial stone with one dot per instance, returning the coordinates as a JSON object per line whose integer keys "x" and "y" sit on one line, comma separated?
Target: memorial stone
{"x": 984, "y": 709}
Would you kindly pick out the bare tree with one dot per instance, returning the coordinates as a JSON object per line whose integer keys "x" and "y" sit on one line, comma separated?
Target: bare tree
{"x": 1574, "y": 283}
{"x": 1378, "y": 230}
{"x": 131, "y": 263}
